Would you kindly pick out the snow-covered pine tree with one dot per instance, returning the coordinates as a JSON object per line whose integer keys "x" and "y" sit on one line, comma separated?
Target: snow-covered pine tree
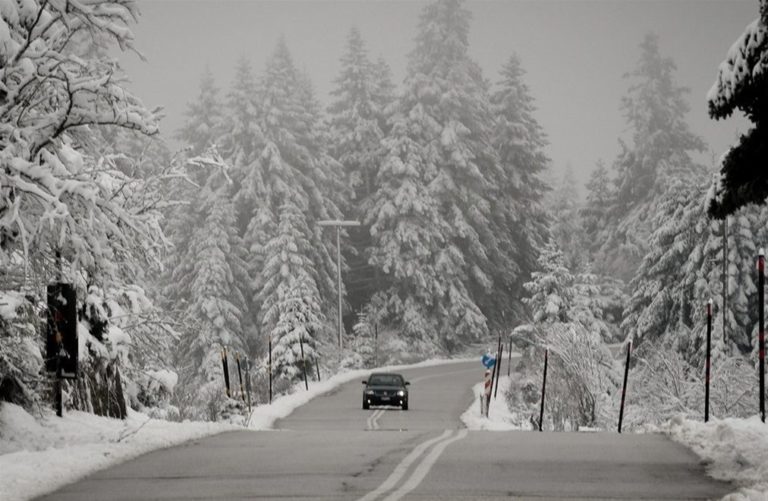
{"x": 550, "y": 291}
{"x": 291, "y": 167}
{"x": 742, "y": 229}
{"x": 566, "y": 227}
{"x": 290, "y": 297}
{"x": 204, "y": 116}
{"x": 662, "y": 291}
{"x": 384, "y": 92}
{"x": 661, "y": 147}
{"x": 210, "y": 269}
{"x": 600, "y": 197}
{"x": 741, "y": 82}
{"x": 354, "y": 120}
{"x": 357, "y": 122}
{"x": 517, "y": 207}
{"x": 430, "y": 219}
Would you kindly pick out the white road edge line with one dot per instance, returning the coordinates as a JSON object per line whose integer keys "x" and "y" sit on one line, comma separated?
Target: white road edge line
{"x": 402, "y": 468}
{"x": 423, "y": 468}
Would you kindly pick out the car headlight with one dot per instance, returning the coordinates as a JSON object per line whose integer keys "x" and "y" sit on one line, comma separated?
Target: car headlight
{"x": 401, "y": 393}
{"x": 369, "y": 392}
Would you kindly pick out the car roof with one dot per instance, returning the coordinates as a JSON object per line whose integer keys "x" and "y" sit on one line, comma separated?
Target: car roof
{"x": 386, "y": 374}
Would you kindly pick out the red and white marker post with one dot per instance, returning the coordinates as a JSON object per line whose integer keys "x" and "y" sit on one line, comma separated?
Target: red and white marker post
{"x": 487, "y": 392}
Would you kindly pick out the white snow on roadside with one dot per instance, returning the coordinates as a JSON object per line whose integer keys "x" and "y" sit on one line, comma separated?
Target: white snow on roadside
{"x": 499, "y": 417}
{"x": 41, "y": 454}
{"x": 733, "y": 449}
{"x": 263, "y": 417}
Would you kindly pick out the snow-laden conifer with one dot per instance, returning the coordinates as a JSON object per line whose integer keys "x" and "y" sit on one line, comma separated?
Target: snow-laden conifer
{"x": 517, "y": 210}
{"x": 204, "y": 116}
{"x": 292, "y": 172}
{"x": 357, "y": 116}
{"x": 741, "y": 82}
{"x": 211, "y": 268}
{"x": 660, "y": 148}
{"x": 430, "y": 219}
{"x": 290, "y": 297}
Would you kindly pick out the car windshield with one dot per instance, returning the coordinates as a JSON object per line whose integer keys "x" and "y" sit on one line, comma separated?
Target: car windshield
{"x": 386, "y": 380}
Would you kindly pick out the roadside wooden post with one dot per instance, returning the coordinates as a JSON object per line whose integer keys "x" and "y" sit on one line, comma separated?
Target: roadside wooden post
{"x": 240, "y": 376}
{"x": 543, "y": 389}
{"x": 225, "y": 366}
{"x": 624, "y": 386}
{"x": 496, "y": 387}
{"x": 707, "y": 363}
{"x": 303, "y": 362}
{"x": 269, "y": 368}
{"x": 761, "y": 310}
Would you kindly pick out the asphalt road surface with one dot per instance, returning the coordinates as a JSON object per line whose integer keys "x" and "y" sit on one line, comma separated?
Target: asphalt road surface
{"x": 332, "y": 449}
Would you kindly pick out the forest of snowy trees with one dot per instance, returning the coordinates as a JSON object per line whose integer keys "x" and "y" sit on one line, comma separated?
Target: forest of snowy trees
{"x": 466, "y": 231}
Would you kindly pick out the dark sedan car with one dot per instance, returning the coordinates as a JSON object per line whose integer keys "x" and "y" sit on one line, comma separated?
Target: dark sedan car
{"x": 383, "y": 388}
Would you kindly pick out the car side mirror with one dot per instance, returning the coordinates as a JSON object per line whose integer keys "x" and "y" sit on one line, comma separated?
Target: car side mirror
{"x": 365, "y": 382}
{"x": 407, "y": 383}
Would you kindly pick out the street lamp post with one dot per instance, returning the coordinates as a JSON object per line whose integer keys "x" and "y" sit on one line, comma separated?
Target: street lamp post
{"x": 338, "y": 224}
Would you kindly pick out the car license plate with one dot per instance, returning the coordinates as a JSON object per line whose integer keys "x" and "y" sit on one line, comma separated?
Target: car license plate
{"x": 384, "y": 398}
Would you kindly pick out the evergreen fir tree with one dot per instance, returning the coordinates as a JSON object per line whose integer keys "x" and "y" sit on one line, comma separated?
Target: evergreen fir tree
{"x": 661, "y": 149}
{"x": 430, "y": 219}
{"x": 661, "y": 302}
{"x": 517, "y": 208}
{"x": 290, "y": 296}
{"x": 741, "y": 83}
{"x": 551, "y": 294}
{"x": 214, "y": 314}
{"x": 355, "y": 125}
{"x": 566, "y": 227}
{"x": 291, "y": 168}
{"x": 204, "y": 117}
{"x": 600, "y": 198}
{"x": 357, "y": 120}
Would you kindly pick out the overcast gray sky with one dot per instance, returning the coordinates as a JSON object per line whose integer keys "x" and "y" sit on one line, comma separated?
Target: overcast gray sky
{"x": 575, "y": 53}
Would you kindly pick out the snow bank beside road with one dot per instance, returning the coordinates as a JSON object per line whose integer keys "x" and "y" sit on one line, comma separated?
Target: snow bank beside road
{"x": 40, "y": 455}
{"x": 733, "y": 449}
{"x": 500, "y": 417}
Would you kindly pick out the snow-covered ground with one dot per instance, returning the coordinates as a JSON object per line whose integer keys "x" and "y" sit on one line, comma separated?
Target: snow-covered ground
{"x": 41, "y": 454}
{"x": 499, "y": 417}
{"x": 733, "y": 449}
{"x": 38, "y": 455}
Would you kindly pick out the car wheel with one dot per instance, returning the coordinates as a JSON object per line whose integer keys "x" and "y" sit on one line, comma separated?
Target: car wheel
{"x": 405, "y": 405}
{"x": 366, "y": 405}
